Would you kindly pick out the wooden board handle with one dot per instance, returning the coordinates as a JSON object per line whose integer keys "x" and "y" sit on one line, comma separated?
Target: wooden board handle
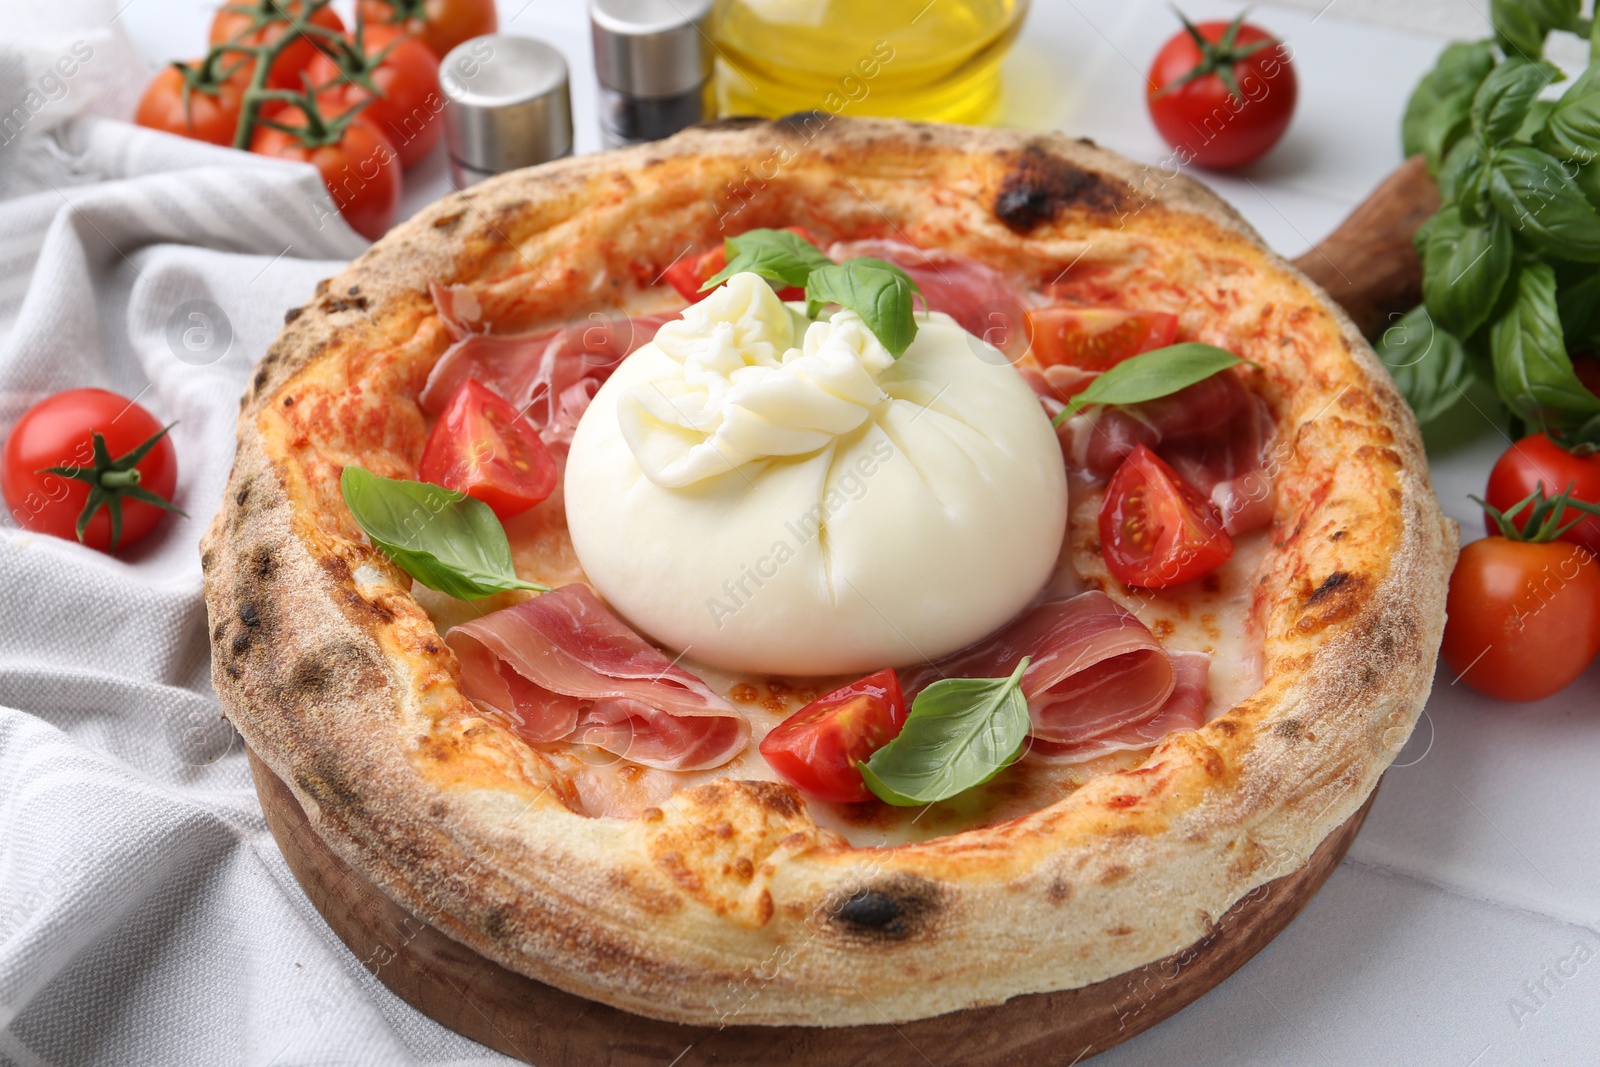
{"x": 1368, "y": 264}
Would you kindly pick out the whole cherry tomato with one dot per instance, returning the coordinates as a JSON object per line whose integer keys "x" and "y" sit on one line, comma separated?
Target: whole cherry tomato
{"x": 483, "y": 447}
{"x": 1156, "y": 530}
{"x": 263, "y": 22}
{"x": 178, "y": 101}
{"x": 408, "y": 103}
{"x": 817, "y": 748}
{"x": 1221, "y": 93}
{"x": 357, "y": 163}
{"x": 1523, "y": 619}
{"x": 91, "y": 466}
{"x": 439, "y": 24}
{"x": 1096, "y": 339}
{"x": 1536, "y": 460}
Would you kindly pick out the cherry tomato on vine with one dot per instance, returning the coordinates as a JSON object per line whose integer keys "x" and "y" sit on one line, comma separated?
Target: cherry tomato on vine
{"x": 1536, "y": 460}
{"x": 817, "y": 748}
{"x": 483, "y": 447}
{"x": 1156, "y": 530}
{"x": 263, "y": 22}
{"x": 407, "y": 105}
{"x": 177, "y": 102}
{"x": 358, "y": 164}
{"x": 1221, "y": 93}
{"x": 691, "y": 271}
{"x": 439, "y": 24}
{"x": 91, "y": 466}
{"x": 1096, "y": 339}
{"x": 1523, "y": 619}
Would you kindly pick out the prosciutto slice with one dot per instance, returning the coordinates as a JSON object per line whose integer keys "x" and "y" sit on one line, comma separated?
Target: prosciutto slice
{"x": 560, "y": 667}
{"x": 1096, "y": 669}
{"x": 976, "y": 295}
{"x": 553, "y": 374}
{"x": 1185, "y": 709}
{"x": 1216, "y": 433}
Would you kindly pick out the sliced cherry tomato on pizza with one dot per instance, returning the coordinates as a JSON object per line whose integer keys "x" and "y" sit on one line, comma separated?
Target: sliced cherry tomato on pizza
{"x": 89, "y": 465}
{"x": 1096, "y": 339}
{"x": 438, "y": 24}
{"x": 817, "y": 748}
{"x": 358, "y": 164}
{"x": 408, "y": 105}
{"x": 192, "y": 101}
{"x": 1156, "y": 530}
{"x": 264, "y": 22}
{"x": 1536, "y": 460}
{"x": 691, "y": 271}
{"x": 482, "y": 447}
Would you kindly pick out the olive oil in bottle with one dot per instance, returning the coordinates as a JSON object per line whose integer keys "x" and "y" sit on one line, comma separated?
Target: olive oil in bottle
{"x": 937, "y": 60}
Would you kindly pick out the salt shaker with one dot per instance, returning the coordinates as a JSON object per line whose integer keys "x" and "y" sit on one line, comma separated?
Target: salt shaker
{"x": 507, "y": 107}
{"x": 653, "y": 60}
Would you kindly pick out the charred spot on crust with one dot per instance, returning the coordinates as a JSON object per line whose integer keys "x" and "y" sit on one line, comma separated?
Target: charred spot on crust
{"x": 895, "y": 909}
{"x": 497, "y": 924}
{"x": 326, "y": 672}
{"x": 241, "y": 496}
{"x": 264, "y": 562}
{"x": 248, "y": 615}
{"x": 1330, "y": 585}
{"x": 292, "y": 314}
{"x": 327, "y": 784}
{"x": 781, "y": 800}
{"x": 333, "y": 305}
{"x": 260, "y": 379}
{"x": 803, "y": 122}
{"x": 448, "y": 222}
{"x": 1289, "y": 729}
{"x": 1041, "y": 185}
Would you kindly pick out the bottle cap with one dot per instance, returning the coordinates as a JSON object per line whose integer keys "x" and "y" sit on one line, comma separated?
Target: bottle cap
{"x": 508, "y": 105}
{"x": 651, "y": 48}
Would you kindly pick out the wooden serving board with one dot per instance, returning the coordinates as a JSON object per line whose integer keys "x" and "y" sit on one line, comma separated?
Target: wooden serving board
{"x": 540, "y": 1024}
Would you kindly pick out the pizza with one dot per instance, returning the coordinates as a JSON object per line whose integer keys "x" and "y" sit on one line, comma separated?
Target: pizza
{"x": 811, "y": 621}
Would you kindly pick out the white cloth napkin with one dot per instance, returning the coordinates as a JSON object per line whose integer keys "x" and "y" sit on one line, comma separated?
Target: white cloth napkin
{"x": 145, "y": 914}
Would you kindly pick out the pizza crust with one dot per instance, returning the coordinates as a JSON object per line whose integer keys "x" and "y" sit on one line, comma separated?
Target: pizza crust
{"x": 728, "y": 905}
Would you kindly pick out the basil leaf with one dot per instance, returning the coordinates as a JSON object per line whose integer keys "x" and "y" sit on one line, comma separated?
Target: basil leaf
{"x": 1554, "y": 14}
{"x": 443, "y": 539}
{"x": 1543, "y": 204}
{"x": 1462, "y": 180}
{"x": 777, "y": 255}
{"x": 1572, "y": 131}
{"x": 1427, "y": 363}
{"x": 1458, "y": 73}
{"x": 1531, "y": 370}
{"x": 1517, "y": 30}
{"x": 1448, "y": 124}
{"x": 881, "y": 293}
{"x": 1464, "y": 268}
{"x": 1502, "y": 101}
{"x": 1149, "y": 375}
{"x": 960, "y": 732}
{"x": 1578, "y": 301}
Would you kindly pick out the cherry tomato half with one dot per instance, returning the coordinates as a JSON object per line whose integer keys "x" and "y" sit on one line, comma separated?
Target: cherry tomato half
{"x": 1096, "y": 339}
{"x": 361, "y": 169}
{"x": 438, "y": 24}
{"x": 1207, "y": 120}
{"x": 1536, "y": 459}
{"x": 817, "y": 748}
{"x": 482, "y": 447}
{"x": 261, "y": 22}
{"x": 210, "y": 115}
{"x": 408, "y": 105}
{"x": 1156, "y": 530}
{"x": 59, "y": 432}
{"x": 691, "y": 271}
{"x": 1523, "y": 619}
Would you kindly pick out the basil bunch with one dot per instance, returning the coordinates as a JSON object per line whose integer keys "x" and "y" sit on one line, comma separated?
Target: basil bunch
{"x": 1511, "y": 261}
{"x": 878, "y": 291}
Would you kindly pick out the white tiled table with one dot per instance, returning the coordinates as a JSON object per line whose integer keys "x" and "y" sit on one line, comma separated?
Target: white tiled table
{"x": 1461, "y": 929}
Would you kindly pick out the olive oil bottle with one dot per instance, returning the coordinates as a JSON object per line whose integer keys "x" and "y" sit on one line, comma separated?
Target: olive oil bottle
{"x": 920, "y": 59}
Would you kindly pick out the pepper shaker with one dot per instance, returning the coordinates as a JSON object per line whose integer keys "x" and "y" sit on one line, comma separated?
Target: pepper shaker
{"x": 653, "y": 61}
{"x": 507, "y": 107}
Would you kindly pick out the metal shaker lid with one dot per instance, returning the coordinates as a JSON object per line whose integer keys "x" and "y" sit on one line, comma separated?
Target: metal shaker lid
{"x": 651, "y": 48}
{"x": 508, "y": 104}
